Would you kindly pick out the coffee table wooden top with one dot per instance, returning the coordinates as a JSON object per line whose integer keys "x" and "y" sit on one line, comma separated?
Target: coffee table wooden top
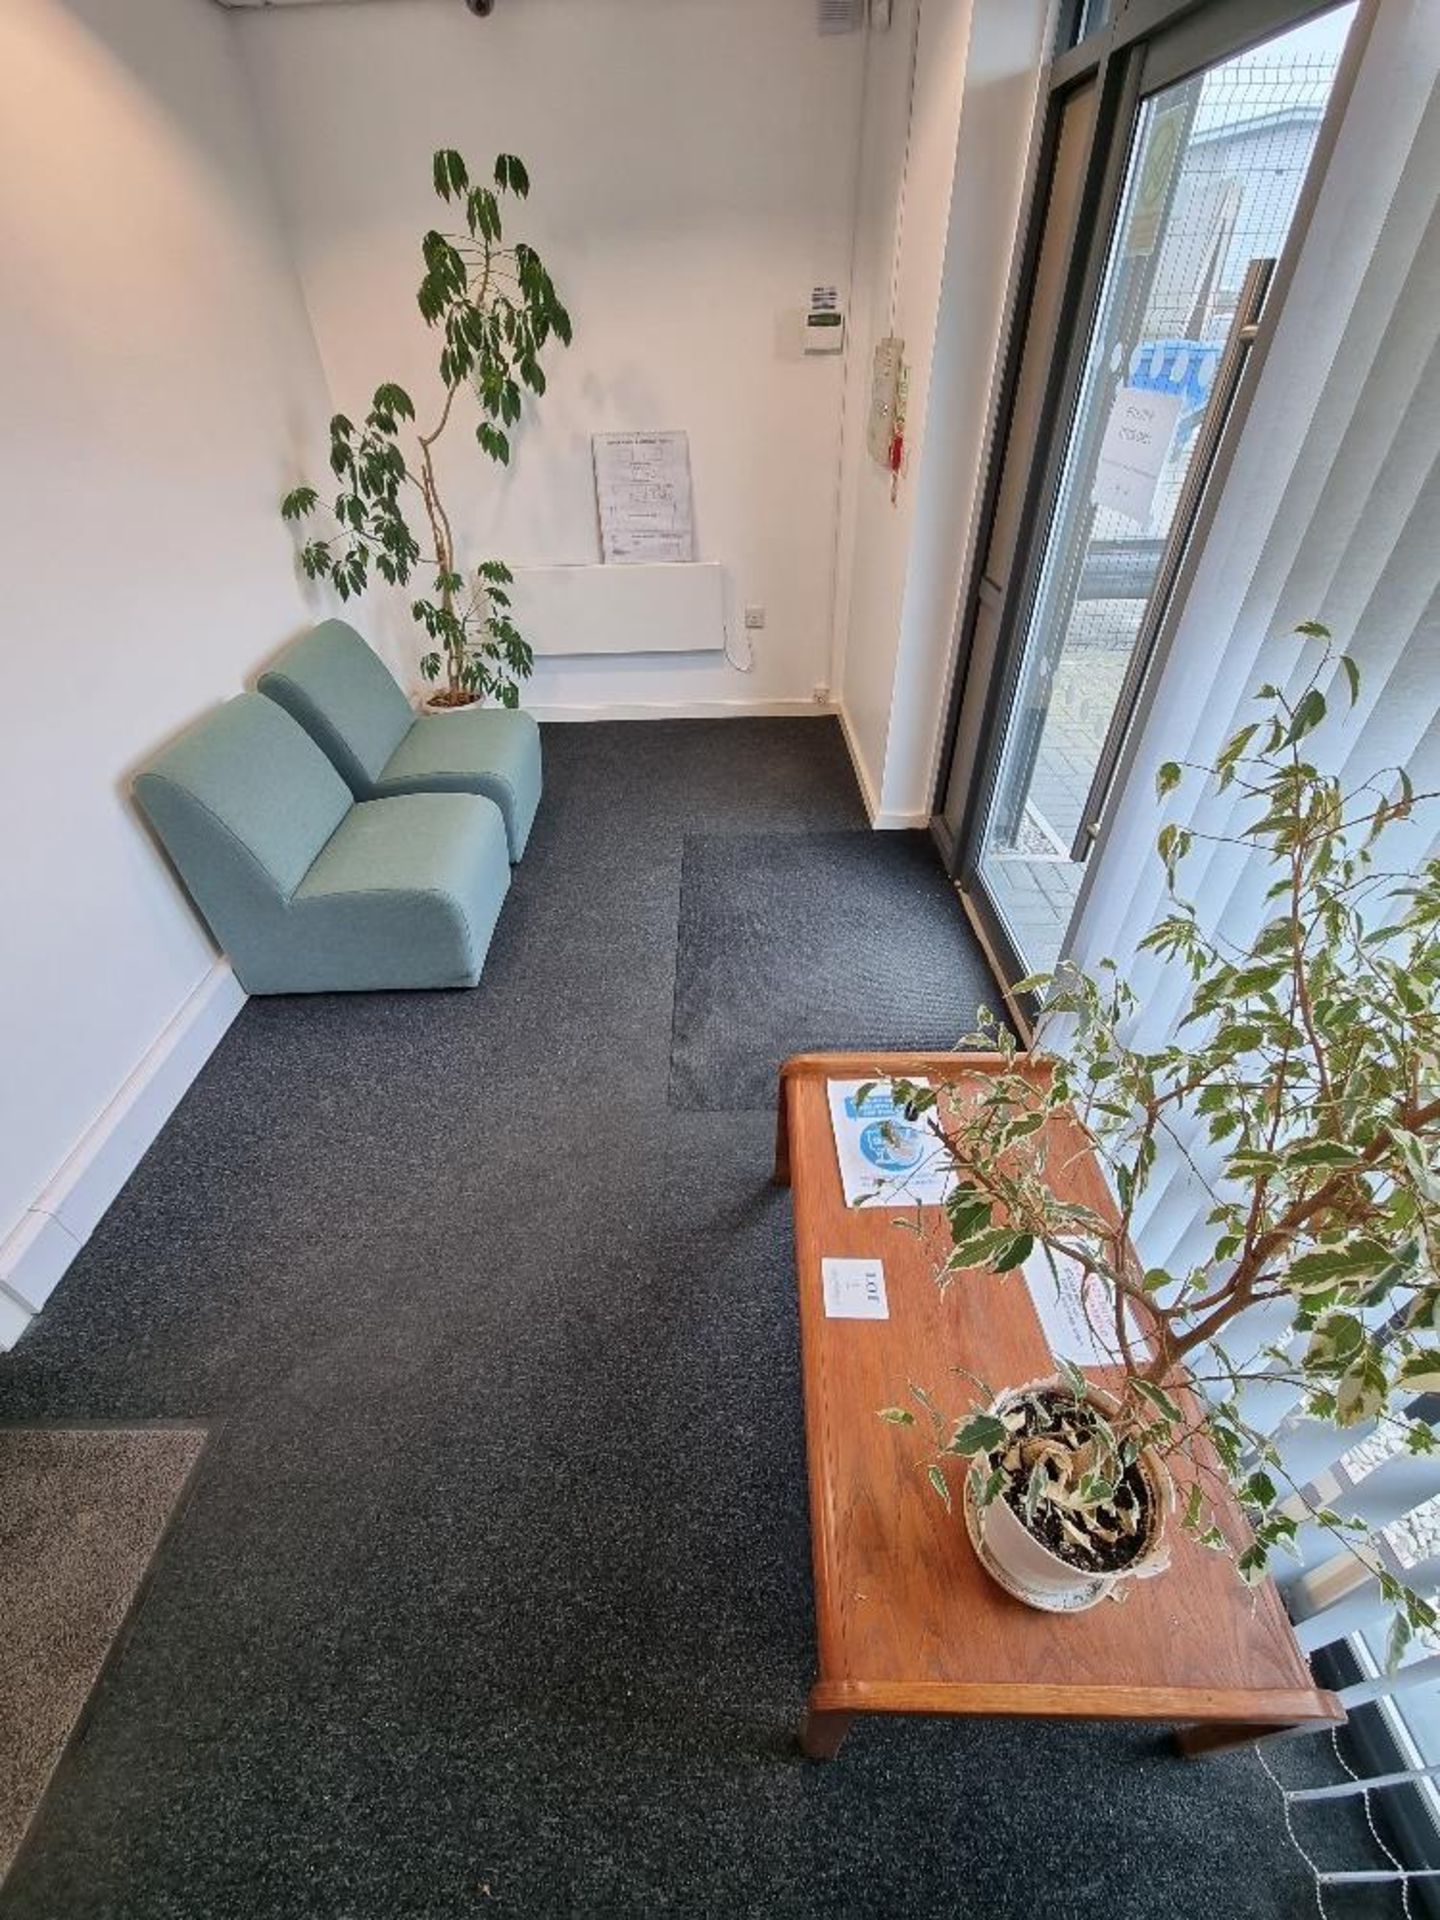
{"x": 907, "y": 1620}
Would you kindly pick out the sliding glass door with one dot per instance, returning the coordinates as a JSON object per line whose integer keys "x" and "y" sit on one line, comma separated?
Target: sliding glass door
{"x": 1167, "y": 198}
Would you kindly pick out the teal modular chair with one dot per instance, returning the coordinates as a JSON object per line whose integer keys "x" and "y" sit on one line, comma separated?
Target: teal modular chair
{"x": 344, "y": 696}
{"x": 308, "y": 891}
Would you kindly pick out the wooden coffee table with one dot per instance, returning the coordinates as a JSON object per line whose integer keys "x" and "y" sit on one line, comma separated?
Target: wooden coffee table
{"x": 907, "y": 1622}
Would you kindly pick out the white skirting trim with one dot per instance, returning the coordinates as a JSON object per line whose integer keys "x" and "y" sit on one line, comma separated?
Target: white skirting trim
{"x": 678, "y": 710}
{"x": 882, "y": 821}
{"x": 34, "y": 1256}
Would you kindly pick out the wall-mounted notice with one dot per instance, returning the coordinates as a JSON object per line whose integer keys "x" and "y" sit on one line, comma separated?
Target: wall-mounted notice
{"x": 1133, "y": 453}
{"x": 642, "y": 489}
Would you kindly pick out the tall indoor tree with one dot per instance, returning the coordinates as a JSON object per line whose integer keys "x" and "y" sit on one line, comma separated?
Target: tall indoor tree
{"x": 497, "y": 310}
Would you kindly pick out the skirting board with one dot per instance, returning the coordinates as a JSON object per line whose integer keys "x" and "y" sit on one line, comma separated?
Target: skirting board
{"x": 35, "y": 1255}
{"x": 679, "y": 710}
{"x": 882, "y": 821}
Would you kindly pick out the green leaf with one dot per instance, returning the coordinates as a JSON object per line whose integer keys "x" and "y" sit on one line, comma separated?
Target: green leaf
{"x": 938, "y": 1482}
{"x": 298, "y": 502}
{"x": 1072, "y": 1376}
{"x": 898, "y": 1416}
{"x": 1159, "y": 1399}
{"x": 450, "y": 175}
{"x": 993, "y": 1487}
{"x": 1352, "y": 674}
{"x": 1032, "y": 983}
{"x": 1259, "y": 1490}
{"x": 1167, "y": 779}
{"x": 981, "y": 1433}
{"x": 1307, "y": 716}
{"x": 1420, "y": 1372}
{"x": 493, "y": 442}
{"x": 1398, "y": 1640}
{"x": 1252, "y": 1564}
{"x": 1323, "y": 1153}
{"x": 1013, "y": 1253}
{"x": 482, "y": 215}
{"x": 510, "y": 173}
{"x": 390, "y": 398}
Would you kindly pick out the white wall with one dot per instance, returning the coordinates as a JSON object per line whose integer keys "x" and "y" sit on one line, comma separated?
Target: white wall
{"x": 1002, "y": 70}
{"x": 160, "y": 385}
{"x": 693, "y": 167}
{"x": 939, "y": 201}
{"x": 895, "y": 199}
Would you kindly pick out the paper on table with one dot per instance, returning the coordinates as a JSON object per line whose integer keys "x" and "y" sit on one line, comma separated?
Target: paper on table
{"x": 885, "y": 1159}
{"x": 1076, "y": 1313}
{"x": 854, "y": 1290}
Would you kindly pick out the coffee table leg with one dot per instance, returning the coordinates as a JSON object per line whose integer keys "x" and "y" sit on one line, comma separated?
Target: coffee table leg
{"x": 781, "y": 1175}
{"x": 1220, "y": 1736}
{"x": 822, "y": 1734}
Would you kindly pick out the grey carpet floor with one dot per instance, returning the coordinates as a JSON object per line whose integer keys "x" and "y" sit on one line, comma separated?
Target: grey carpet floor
{"x": 81, "y": 1515}
{"x": 492, "y": 1594}
{"x": 791, "y": 943}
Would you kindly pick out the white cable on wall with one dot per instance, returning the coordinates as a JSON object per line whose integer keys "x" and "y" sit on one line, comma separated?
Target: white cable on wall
{"x": 897, "y": 251}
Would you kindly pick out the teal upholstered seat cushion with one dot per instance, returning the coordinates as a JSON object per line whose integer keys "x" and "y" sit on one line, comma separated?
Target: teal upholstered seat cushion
{"x": 344, "y": 696}
{"x": 346, "y": 699}
{"x": 405, "y": 886}
{"x": 306, "y": 891}
{"x": 489, "y": 750}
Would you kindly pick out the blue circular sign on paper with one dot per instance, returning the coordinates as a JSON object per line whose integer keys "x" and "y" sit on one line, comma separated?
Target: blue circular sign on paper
{"x": 891, "y": 1146}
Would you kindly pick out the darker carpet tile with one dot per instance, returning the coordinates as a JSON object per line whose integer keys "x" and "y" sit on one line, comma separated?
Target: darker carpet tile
{"x": 797, "y": 943}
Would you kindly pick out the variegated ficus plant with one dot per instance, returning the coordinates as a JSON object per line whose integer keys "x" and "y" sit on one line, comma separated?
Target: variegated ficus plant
{"x": 1303, "y": 1090}
{"x": 497, "y": 311}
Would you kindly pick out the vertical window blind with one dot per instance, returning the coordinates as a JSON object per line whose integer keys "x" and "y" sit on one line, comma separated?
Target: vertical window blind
{"x": 1330, "y": 511}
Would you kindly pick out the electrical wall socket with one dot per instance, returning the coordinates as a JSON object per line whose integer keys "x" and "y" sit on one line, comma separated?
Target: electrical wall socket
{"x": 754, "y": 618}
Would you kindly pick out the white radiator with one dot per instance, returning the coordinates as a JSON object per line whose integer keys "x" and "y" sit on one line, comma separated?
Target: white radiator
{"x": 673, "y": 608}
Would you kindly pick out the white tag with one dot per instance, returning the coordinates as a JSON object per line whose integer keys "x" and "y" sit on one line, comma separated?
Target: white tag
{"x": 854, "y": 1290}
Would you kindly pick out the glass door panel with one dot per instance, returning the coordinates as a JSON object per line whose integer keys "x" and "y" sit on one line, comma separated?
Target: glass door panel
{"x": 1213, "y": 176}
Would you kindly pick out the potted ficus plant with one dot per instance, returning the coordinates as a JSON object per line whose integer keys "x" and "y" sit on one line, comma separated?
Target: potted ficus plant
{"x": 1303, "y": 1090}
{"x": 497, "y": 310}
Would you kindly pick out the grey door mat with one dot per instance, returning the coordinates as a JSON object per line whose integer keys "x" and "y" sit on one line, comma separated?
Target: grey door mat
{"x": 82, "y": 1512}
{"x": 791, "y": 943}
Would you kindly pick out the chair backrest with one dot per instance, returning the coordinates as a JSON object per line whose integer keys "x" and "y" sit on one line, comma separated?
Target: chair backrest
{"x": 346, "y": 699}
{"x": 243, "y": 801}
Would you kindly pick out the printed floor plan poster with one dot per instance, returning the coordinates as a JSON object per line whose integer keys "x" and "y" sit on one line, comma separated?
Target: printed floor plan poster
{"x": 642, "y": 488}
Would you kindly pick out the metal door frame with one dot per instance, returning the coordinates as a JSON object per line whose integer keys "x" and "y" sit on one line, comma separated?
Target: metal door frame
{"x": 1148, "y": 45}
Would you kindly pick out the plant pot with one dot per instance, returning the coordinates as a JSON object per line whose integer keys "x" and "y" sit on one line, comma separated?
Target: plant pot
{"x": 1013, "y": 1557}
{"x": 432, "y": 703}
